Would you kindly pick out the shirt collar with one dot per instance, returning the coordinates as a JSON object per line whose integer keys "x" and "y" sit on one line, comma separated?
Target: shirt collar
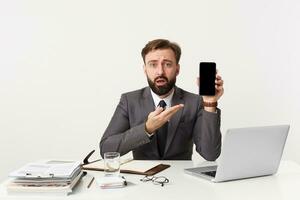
{"x": 167, "y": 99}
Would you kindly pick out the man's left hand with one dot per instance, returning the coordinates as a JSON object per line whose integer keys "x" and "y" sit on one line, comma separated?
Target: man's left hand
{"x": 219, "y": 90}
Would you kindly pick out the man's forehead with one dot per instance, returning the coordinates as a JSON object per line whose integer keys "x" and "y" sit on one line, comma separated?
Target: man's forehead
{"x": 160, "y": 54}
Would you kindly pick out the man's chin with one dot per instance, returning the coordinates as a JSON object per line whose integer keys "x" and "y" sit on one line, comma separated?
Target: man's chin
{"x": 158, "y": 86}
{"x": 162, "y": 90}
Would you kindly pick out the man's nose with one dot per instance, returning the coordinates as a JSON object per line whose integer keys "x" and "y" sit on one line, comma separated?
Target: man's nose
{"x": 160, "y": 69}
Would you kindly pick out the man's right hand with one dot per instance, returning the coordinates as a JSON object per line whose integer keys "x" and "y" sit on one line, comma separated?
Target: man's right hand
{"x": 159, "y": 117}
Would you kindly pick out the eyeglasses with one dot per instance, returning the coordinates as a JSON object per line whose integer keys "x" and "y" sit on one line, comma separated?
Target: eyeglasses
{"x": 158, "y": 180}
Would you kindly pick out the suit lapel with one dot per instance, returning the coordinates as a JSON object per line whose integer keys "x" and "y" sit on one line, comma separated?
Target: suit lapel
{"x": 147, "y": 103}
{"x": 147, "y": 107}
{"x": 174, "y": 121}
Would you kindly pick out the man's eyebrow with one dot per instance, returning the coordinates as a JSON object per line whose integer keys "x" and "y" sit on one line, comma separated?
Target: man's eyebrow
{"x": 155, "y": 61}
{"x": 164, "y": 60}
{"x": 150, "y": 61}
{"x": 167, "y": 60}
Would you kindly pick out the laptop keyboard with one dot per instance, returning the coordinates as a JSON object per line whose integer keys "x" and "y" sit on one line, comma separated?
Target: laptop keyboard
{"x": 211, "y": 173}
{"x": 208, "y": 170}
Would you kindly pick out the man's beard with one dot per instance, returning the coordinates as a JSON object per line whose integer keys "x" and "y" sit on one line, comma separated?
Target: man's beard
{"x": 161, "y": 90}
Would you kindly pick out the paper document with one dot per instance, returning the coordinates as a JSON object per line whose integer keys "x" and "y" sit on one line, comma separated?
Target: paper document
{"x": 48, "y": 168}
{"x": 13, "y": 187}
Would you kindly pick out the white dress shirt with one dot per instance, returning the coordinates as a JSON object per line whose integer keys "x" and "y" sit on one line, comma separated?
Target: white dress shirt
{"x": 167, "y": 99}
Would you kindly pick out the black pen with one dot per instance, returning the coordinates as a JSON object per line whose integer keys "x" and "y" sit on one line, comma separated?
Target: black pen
{"x": 89, "y": 185}
{"x": 125, "y": 182}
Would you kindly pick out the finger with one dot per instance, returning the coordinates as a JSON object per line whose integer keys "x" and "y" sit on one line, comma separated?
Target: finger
{"x": 219, "y": 89}
{"x": 176, "y": 107}
{"x": 172, "y": 109}
{"x": 156, "y": 112}
{"x": 219, "y": 82}
{"x": 168, "y": 113}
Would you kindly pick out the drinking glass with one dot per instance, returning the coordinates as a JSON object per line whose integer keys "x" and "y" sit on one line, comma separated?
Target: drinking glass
{"x": 111, "y": 164}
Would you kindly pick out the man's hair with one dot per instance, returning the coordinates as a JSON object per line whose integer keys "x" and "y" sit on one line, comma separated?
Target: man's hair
{"x": 162, "y": 44}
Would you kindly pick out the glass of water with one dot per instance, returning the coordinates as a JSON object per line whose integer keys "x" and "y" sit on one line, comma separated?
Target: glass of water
{"x": 111, "y": 164}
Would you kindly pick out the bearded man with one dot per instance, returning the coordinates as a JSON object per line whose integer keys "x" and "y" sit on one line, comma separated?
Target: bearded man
{"x": 162, "y": 121}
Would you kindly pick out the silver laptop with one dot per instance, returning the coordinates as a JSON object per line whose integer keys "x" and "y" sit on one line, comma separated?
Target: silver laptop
{"x": 246, "y": 152}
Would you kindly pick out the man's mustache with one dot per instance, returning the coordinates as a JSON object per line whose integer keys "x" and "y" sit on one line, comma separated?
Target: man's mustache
{"x": 161, "y": 77}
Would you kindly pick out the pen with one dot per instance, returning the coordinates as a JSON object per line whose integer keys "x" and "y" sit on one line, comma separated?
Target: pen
{"x": 125, "y": 182}
{"x": 126, "y": 161}
{"x": 89, "y": 185}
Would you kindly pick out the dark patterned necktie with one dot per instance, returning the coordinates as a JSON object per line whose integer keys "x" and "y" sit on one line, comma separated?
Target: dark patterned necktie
{"x": 162, "y": 133}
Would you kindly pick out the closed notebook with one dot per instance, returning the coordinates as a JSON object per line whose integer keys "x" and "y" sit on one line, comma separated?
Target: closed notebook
{"x": 142, "y": 167}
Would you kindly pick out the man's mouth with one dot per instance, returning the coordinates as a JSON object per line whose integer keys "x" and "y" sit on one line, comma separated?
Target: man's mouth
{"x": 160, "y": 81}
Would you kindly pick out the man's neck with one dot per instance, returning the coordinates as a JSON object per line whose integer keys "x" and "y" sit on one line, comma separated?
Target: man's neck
{"x": 167, "y": 98}
{"x": 166, "y": 95}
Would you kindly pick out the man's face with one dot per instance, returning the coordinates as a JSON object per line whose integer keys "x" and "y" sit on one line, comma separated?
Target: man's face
{"x": 161, "y": 70}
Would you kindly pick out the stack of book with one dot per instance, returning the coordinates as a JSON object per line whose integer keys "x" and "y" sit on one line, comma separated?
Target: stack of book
{"x": 45, "y": 177}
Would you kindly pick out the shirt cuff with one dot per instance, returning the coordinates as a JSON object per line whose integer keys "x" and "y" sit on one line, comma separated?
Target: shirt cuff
{"x": 149, "y": 134}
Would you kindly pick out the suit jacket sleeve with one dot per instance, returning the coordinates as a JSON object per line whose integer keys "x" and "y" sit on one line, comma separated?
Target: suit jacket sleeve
{"x": 119, "y": 136}
{"x": 207, "y": 134}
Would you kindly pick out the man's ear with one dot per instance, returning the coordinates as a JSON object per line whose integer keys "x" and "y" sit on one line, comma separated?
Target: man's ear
{"x": 144, "y": 68}
{"x": 178, "y": 69}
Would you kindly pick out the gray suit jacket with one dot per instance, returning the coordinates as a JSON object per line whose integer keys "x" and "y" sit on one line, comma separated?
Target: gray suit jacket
{"x": 191, "y": 124}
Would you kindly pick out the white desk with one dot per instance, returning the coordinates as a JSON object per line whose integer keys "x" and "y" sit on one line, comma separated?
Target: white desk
{"x": 284, "y": 185}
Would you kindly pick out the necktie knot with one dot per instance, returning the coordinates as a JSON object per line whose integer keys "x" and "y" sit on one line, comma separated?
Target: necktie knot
{"x": 162, "y": 104}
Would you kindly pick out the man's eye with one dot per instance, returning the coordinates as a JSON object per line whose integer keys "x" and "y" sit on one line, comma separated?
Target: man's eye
{"x": 168, "y": 64}
{"x": 152, "y": 64}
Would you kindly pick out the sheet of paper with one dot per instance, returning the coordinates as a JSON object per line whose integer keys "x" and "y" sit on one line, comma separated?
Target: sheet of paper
{"x": 48, "y": 168}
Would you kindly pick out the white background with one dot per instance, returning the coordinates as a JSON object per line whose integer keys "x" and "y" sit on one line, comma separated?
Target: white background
{"x": 64, "y": 65}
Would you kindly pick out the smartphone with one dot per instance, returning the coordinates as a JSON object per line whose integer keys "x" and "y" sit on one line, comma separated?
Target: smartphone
{"x": 207, "y": 76}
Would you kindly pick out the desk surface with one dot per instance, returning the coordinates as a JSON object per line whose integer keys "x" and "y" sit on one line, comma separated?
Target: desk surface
{"x": 283, "y": 185}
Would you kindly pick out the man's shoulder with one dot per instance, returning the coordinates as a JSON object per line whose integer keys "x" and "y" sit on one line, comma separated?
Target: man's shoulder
{"x": 185, "y": 94}
{"x": 136, "y": 93}
{"x": 143, "y": 92}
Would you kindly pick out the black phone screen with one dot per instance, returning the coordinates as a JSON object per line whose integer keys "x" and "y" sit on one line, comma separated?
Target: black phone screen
{"x": 207, "y": 76}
